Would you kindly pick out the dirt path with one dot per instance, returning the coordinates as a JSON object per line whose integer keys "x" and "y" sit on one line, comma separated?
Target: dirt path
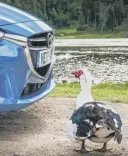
{"x": 40, "y": 130}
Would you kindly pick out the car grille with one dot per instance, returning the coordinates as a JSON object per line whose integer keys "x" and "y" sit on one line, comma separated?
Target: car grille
{"x": 36, "y": 43}
{"x": 40, "y": 42}
{"x": 43, "y": 70}
{"x": 31, "y": 88}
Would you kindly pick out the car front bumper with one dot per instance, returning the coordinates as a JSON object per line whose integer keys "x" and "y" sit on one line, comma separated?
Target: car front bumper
{"x": 28, "y": 100}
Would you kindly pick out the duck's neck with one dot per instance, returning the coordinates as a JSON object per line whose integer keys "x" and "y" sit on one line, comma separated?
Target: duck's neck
{"x": 85, "y": 86}
{"x": 85, "y": 94}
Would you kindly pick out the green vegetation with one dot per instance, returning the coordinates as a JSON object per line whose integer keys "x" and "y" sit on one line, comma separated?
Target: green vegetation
{"x": 72, "y": 33}
{"x": 106, "y": 17}
{"x": 102, "y": 92}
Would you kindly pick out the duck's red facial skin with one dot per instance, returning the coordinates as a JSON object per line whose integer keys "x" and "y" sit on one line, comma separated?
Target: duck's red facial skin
{"x": 77, "y": 74}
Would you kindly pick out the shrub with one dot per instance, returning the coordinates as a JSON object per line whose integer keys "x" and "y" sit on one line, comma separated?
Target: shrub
{"x": 82, "y": 28}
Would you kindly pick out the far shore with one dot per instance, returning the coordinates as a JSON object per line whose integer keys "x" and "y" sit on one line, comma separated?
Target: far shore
{"x": 118, "y": 42}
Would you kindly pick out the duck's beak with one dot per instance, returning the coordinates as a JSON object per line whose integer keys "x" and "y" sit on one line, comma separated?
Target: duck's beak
{"x": 75, "y": 74}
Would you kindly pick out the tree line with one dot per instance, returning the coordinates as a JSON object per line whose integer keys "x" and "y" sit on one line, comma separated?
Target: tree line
{"x": 101, "y": 15}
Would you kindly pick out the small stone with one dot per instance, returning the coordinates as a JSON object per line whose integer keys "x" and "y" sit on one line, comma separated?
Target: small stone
{"x": 15, "y": 154}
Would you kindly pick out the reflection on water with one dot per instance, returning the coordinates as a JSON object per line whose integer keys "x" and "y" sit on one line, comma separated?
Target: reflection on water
{"x": 104, "y": 66}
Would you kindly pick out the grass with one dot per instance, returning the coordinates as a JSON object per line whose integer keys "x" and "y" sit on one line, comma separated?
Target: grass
{"x": 72, "y": 33}
{"x": 102, "y": 92}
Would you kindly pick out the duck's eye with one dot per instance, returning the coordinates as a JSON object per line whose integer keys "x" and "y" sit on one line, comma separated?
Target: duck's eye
{"x": 97, "y": 129}
{"x": 108, "y": 128}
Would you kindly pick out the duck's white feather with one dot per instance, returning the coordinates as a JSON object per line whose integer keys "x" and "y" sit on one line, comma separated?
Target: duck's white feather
{"x": 85, "y": 94}
{"x": 103, "y": 132}
{"x": 100, "y": 140}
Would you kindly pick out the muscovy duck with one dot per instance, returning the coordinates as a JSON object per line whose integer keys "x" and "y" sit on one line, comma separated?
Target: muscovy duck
{"x": 93, "y": 120}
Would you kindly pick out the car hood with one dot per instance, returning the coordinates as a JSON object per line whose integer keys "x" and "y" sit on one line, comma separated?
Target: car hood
{"x": 13, "y": 20}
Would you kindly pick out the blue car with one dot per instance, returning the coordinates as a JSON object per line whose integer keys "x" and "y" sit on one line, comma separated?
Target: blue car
{"x": 26, "y": 59}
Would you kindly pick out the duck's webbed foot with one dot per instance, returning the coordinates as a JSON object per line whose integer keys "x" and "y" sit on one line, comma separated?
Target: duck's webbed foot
{"x": 103, "y": 149}
{"x": 83, "y": 149}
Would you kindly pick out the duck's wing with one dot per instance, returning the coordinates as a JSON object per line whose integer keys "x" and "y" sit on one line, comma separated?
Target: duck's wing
{"x": 112, "y": 119}
{"x": 82, "y": 122}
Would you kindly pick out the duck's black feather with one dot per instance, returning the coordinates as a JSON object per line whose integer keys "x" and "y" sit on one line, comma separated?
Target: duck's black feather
{"x": 83, "y": 129}
{"x": 90, "y": 113}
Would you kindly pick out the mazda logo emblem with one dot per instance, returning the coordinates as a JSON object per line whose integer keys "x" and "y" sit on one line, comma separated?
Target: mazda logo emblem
{"x": 50, "y": 40}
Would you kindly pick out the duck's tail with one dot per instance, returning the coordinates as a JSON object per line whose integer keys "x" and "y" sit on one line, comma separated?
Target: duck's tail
{"x": 118, "y": 136}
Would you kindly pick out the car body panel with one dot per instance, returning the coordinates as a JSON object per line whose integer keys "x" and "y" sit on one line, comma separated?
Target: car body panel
{"x": 12, "y": 80}
{"x": 17, "y": 21}
{"x": 16, "y": 68}
{"x": 27, "y": 28}
{"x": 12, "y": 15}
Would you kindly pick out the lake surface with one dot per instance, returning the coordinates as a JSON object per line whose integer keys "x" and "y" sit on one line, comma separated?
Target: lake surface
{"x": 105, "y": 65}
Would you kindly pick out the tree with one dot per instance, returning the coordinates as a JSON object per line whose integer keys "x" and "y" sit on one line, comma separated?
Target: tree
{"x": 99, "y": 14}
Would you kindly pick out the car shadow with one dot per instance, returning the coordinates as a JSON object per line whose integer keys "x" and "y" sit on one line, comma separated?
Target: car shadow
{"x": 18, "y": 123}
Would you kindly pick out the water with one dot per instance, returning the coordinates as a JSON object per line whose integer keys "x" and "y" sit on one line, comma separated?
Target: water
{"x": 106, "y": 66}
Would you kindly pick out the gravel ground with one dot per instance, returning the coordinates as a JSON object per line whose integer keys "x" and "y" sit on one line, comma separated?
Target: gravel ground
{"x": 41, "y": 130}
